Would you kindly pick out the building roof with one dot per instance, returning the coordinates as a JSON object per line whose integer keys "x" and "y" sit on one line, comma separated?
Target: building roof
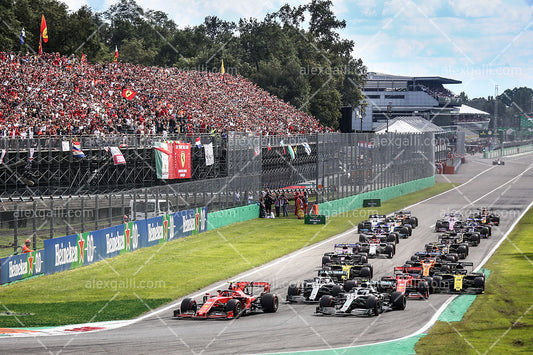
{"x": 467, "y": 110}
{"x": 383, "y": 76}
{"x": 409, "y": 124}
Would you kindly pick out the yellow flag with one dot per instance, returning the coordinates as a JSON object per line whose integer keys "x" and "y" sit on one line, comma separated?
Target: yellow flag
{"x": 222, "y": 67}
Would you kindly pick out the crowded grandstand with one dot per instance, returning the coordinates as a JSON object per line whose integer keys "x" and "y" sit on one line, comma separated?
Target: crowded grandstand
{"x": 57, "y": 95}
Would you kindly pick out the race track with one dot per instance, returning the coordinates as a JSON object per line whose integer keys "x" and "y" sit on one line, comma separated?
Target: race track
{"x": 508, "y": 189}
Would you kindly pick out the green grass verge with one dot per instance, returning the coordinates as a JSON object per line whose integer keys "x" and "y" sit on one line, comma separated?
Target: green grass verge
{"x": 501, "y": 320}
{"x": 129, "y": 285}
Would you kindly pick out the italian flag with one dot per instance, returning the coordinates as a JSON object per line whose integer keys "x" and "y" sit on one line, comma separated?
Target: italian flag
{"x": 163, "y": 154}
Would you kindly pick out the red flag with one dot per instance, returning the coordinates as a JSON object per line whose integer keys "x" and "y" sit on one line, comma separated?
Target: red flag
{"x": 116, "y": 54}
{"x": 128, "y": 94}
{"x": 44, "y": 30}
{"x": 83, "y": 58}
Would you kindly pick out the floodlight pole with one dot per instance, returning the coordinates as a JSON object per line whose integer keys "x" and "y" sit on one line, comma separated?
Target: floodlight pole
{"x": 389, "y": 108}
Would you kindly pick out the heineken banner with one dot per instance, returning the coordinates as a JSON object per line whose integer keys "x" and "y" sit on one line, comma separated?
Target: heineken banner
{"x": 18, "y": 267}
{"x": 81, "y": 249}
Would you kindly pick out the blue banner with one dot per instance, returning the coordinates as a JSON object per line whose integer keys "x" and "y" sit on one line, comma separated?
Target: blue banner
{"x": 81, "y": 249}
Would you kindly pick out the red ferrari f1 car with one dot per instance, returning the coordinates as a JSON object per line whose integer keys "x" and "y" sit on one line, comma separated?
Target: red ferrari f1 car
{"x": 239, "y": 299}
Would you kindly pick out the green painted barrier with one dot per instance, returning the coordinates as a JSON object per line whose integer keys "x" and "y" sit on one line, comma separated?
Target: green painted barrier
{"x": 507, "y": 151}
{"x": 245, "y": 213}
{"x": 342, "y": 205}
{"x": 223, "y": 218}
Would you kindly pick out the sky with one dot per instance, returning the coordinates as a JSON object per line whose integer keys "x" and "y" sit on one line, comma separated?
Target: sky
{"x": 483, "y": 43}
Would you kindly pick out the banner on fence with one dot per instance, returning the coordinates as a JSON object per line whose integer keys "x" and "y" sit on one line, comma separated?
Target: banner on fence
{"x": 81, "y": 249}
{"x": 18, "y": 267}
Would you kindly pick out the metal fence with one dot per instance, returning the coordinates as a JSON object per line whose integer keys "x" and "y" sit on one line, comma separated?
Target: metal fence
{"x": 331, "y": 166}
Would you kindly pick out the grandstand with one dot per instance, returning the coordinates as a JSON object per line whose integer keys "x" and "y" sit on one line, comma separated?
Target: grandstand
{"x": 56, "y": 95}
{"x": 391, "y": 96}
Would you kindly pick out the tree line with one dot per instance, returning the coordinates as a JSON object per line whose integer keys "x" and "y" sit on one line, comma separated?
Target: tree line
{"x": 508, "y": 107}
{"x": 295, "y": 53}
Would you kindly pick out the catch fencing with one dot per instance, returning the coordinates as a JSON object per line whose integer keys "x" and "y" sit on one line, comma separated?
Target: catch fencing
{"x": 329, "y": 166}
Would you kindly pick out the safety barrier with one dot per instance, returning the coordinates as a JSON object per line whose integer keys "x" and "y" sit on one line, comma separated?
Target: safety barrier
{"x": 83, "y": 249}
{"x": 507, "y": 151}
{"x": 233, "y": 215}
{"x": 86, "y": 248}
{"x": 331, "y": 208}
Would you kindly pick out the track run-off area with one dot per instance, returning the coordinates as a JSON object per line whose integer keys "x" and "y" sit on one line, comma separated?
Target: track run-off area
{"x": 507, "y": 189}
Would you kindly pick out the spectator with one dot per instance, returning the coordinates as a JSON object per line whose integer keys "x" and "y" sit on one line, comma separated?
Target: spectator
{"x": 262, "y": 209}
{"x": 277, "y": 204}
{"x": 250, "y": 198}
{"x": 305, "y": 203}
{"x": 268, "y": 203}
{"x": 40, "y": 96}
{"x": 284, "y": 205}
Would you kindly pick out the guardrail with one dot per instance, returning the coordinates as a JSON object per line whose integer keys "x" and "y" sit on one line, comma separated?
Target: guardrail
{"x": 508, "y": 151}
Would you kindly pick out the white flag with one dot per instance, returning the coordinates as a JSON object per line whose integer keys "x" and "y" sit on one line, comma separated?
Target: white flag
{"x": 65, "y": 146}
{"x": 118, "y": 158}
{"x": 209, "y": 157}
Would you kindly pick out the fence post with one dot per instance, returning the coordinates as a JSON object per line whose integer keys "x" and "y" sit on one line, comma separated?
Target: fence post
{"x": 96, "y": 212}
{"x": 110, "y": 210}
{"x": 34, "y": 225}
{"x": 67, "y": 211}
{"x": 16, "y": 227}
{"x": 51, "y": 217}
{"x": 82, "y": 207}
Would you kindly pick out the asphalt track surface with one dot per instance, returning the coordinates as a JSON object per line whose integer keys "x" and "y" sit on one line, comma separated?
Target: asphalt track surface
{"x": 508, "y": 189}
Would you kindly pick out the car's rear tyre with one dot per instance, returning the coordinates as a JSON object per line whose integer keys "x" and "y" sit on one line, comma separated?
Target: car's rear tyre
{"x": 188, "y": 305}
{"x": 391, "y": 238}
{"x": 269, "y": 303}
{"x": 234, "y": 306}
{"x": 451, "y": 257}
{"x": 389, "y": 250}
{"x": 336, "y": 290}
{"x": 293, "y": 290}
{"x": 349, "y": 285}
{"x": 423, "y": 288}
{"x": 366, "y": 272}
{"x": 325, "y": 260}
{"x": 360, "y": 227}
{"x": 436, "y": 284}
{"x": 462, "y": 251}
{"x": 398, "y": 300}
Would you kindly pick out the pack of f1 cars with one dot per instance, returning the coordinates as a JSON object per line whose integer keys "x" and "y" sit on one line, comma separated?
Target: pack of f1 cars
{"x": 486, "y": 216}
{"x": 412, "y": 285}
{"x": 382, "y": 234}
{"x": 450, "y": 222}
{"x": 345, "y": 253}
{"x": 361, "y": 300}
{"x": 406, "y": 218}
{"x": 238, "y": 299}
{"x": 372, "y": 221}
{"x": 375, "y": 247}
{"x": 342, "y": 272}
{"x": 458, "y": 281}
{"x": 313, "y": 289}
